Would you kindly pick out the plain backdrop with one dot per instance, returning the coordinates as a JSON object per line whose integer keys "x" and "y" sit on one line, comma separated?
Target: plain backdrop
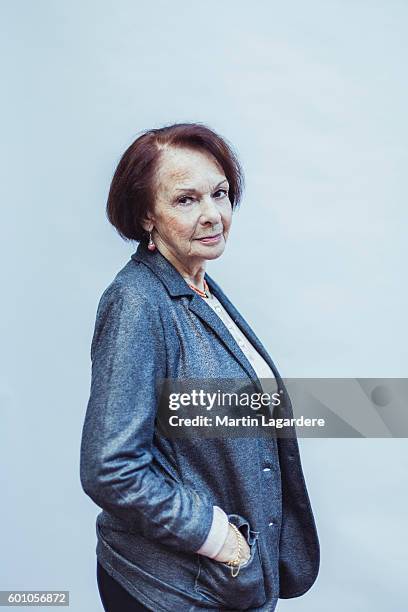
{"x": 313, "y": 97}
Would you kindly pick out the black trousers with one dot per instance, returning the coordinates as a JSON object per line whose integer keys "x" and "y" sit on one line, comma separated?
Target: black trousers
{"x": 114, "y": 597}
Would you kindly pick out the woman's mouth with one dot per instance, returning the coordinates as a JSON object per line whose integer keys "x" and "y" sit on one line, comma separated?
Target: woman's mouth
{"x": 210, "y": 239}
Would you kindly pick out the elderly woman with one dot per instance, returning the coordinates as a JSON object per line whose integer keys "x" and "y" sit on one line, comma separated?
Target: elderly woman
{"x": 186, "y": 524}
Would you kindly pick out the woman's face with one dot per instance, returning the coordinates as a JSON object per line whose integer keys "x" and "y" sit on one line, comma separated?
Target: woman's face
{"x": 191, "y": 205}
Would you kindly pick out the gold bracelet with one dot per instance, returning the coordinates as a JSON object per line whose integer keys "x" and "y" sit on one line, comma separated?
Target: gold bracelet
{"x": 237, "y": 561}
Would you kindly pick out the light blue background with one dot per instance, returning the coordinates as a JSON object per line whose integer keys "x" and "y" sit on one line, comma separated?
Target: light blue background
{"x": 313, "y": 95}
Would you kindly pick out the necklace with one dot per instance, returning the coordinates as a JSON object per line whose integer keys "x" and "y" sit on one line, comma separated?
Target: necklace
{"x": 205, "y": 293}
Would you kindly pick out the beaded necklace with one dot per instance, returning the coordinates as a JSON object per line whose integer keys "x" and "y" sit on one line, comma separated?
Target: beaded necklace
{"x": 205, "y": 293}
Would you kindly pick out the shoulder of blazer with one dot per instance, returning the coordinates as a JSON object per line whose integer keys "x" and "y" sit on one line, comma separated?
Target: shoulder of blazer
{"x": 134, "y": 294}
{"x": 152, "y": 283}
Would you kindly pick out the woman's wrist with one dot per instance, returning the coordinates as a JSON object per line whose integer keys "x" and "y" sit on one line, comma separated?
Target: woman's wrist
{"x": 234, "y": 546}
{"x": 238, "y": 557}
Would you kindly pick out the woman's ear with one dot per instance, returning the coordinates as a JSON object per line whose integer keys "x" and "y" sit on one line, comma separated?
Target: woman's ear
{"x": 147, "y": 223}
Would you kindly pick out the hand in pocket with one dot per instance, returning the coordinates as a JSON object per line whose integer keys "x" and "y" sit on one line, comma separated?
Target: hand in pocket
{"x": 216, "y": 583}
{"x": 230, "y": 548}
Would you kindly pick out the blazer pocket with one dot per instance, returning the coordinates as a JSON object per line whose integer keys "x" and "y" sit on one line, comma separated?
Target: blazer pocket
{"x": 216, "y": 584}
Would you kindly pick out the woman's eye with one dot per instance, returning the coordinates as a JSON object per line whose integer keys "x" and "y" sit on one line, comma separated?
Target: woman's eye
{"x": 183, "y": 199}
{"x": 223, "y": 193}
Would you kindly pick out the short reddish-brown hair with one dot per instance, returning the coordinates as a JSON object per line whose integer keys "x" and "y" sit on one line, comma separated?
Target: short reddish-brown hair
{"x": 131, "y": 193}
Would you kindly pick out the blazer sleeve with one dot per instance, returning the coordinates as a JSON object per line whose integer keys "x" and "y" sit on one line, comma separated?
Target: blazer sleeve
{"x": 128, "y": 353}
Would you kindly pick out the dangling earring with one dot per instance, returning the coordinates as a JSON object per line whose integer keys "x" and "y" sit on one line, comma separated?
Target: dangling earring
{"x": 151, "y": 246}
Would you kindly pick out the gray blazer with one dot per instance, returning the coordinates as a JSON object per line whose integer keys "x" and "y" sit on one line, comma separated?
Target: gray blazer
{"x": 157, "y": 494}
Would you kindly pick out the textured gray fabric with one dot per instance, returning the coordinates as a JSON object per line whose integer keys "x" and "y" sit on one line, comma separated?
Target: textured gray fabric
{"x": 156, "y": 493}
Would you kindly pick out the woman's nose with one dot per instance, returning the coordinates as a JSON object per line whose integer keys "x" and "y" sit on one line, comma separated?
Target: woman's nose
{"x": 209, "y": 210}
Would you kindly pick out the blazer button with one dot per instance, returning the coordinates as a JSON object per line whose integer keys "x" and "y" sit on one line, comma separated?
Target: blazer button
{"x": 266, "y": 469}
{"x": 271, "y": 524}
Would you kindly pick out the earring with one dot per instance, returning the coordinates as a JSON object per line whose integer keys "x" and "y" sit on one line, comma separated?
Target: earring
{"x": 151, "y": 246}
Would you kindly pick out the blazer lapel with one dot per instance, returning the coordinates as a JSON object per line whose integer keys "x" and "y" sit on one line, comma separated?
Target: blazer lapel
{"x": 243, "y": 325}
{"x": 208, "y": 316}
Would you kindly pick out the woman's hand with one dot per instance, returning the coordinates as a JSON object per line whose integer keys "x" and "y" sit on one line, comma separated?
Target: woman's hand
{"x": 229, "y": 551}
